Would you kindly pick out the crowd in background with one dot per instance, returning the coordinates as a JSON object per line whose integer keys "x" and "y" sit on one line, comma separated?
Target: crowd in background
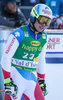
{"x": 57, "y": 9}
{"x": 14, "y": 17}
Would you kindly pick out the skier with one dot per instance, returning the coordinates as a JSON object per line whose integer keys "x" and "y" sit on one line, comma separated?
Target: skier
{"x": 23, "y": 60}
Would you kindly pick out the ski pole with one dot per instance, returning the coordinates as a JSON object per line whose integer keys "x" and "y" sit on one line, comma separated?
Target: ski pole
{"x": 2, "y": 90}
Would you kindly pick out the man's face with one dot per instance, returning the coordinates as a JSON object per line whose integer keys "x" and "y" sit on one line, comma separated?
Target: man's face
{"x": 11, "y": 7}
{"x": 39, "y": 27}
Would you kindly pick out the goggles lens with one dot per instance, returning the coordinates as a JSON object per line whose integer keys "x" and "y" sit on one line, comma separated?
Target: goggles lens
{"x": 43, "y": 20}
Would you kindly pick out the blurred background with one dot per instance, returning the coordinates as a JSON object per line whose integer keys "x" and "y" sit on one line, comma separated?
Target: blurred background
{"x": 18, "y": 16}
{"x": 23, "y": 12}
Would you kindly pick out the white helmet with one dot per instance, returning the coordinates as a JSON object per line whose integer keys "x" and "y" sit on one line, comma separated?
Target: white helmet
{"x": 40, "y": 10}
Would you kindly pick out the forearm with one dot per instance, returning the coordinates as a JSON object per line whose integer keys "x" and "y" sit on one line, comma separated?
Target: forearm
{"x": 41, "y": 75}
{"x": 5, "y": 63}
{"x": 6, "y": 74}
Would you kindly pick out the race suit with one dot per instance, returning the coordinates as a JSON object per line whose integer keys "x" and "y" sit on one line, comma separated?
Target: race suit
{"x": 24, "y": 59}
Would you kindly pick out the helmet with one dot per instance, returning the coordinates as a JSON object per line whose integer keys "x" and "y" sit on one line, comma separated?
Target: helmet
{"x": 40, "y": 10}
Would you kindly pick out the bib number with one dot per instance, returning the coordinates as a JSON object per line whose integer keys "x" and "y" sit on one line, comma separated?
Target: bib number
{"x": 28, "y": 56}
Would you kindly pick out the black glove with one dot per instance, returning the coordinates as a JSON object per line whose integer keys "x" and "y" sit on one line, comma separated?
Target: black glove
{"x": 43, "y": 86}
{"x": 10, "y": 87}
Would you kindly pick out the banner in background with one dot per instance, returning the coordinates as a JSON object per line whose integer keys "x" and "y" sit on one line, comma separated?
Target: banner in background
{"x": 54, "y": 52}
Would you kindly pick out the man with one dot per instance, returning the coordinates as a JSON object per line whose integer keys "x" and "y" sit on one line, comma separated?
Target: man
{"x": 23, "y": 60}
{"x": 11, "y": 15}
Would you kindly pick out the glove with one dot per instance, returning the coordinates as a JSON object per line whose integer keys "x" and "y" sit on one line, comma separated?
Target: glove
{"x": 43, "y": 86}
{"x": 10, "y": 87}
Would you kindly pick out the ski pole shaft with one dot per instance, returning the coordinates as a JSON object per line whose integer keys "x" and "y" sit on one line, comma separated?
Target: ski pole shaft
{"x": 2, "y": 90}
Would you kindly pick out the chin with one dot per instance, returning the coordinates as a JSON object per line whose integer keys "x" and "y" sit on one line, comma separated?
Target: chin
{"x": 41, "y": 30}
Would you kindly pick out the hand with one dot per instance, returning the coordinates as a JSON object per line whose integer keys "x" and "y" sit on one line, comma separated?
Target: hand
{"x": 43, "y": 86}
{"x": 10, "y": 87}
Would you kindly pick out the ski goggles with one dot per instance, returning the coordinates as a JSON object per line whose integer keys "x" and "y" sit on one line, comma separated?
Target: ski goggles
{"x": 42, "y": 20}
